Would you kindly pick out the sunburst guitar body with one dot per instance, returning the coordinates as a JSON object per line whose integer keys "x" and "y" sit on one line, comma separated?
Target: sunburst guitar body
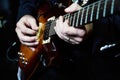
{"x": 44, "y": 54}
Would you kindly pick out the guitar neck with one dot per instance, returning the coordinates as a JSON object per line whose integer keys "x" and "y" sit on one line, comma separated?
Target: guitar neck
{"x": 88, "y": 14}
{"x": 93, "y": 12}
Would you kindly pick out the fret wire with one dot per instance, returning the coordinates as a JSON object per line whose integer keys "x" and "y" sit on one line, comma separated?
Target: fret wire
{"x": 65, "y": 17}
{"x": 98, "y": 9}
{"x": 99, "y": 5}
{"x": 78, "y": 18}
{"x": 86, "y": 17}
{"x": 90, "y": 8}
{"x": 70, "y": 19}
{"x": 104, "y": 11}
{"x": 74, "y": 16}
{"x": 112, "y": 6}
{"x": 91, "y": 17}
{"x": 82, "y": 16}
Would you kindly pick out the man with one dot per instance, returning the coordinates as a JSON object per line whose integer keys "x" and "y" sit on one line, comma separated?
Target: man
{"x": 81, "y": 60}
{"x": 72, "y": 65}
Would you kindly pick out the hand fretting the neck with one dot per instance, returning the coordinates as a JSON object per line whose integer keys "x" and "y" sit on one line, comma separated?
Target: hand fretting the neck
{"x": 88, "y": 14}
{"x": 92, "y": 12}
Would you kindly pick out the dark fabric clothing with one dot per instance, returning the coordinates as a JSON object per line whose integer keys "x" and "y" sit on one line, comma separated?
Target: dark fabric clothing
{"x": 85, "y": 61}
{"x": 107, "y": 31}
{"x": 106, "y": 62}
{"x": 27, "y": 7}
{"x": 8, "y": 13}
{"x": 31, "y": 6}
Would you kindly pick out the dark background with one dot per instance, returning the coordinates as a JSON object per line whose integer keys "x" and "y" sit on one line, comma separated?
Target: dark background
{"x": 8, "y": 13}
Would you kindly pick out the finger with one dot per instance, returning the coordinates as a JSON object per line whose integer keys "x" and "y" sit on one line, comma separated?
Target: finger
{"x": 60, "y": 19}
{"x": 75, "y": 32}
{"x": 75, "y": 40}
{"x": 30, "y": 44}
{"x": 33, "y": 24}
{"x": 29, "y": 21}
{"x": 29, "y": 39}
{"x": 58, "y": 27}
{"x": 24, "y": 37}
{"x": 25, "y": 29}
{"x": 32, "y": 48}
{"x": 73, "y": 7}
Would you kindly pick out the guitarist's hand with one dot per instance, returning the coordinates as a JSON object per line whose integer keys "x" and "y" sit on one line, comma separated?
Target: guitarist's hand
{"x": 68, "y": 33}
{"x": 26, "y": 30}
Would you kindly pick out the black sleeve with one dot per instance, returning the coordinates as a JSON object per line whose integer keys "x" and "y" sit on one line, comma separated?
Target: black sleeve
{"x": 27, "y": 7}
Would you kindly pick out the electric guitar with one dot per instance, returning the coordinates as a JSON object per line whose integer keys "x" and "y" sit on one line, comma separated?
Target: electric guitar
{"x": 44, "y": 55}
{"x": 30, "y": 60}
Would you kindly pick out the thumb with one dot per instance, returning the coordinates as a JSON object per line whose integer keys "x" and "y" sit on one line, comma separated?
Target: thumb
{"x": 33, "y": 23}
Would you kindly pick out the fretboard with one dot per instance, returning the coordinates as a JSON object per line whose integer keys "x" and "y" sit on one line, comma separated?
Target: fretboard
{"x": 92, "y": 12}
{"x": 89, "y": 13}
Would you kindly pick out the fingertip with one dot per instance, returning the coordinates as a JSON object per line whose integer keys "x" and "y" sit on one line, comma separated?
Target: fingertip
{"x": 34, "y": 25}
{"x": 33, "y": 49}
{"x": 55, "y": 28}
{"x": 67, "y": 10}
